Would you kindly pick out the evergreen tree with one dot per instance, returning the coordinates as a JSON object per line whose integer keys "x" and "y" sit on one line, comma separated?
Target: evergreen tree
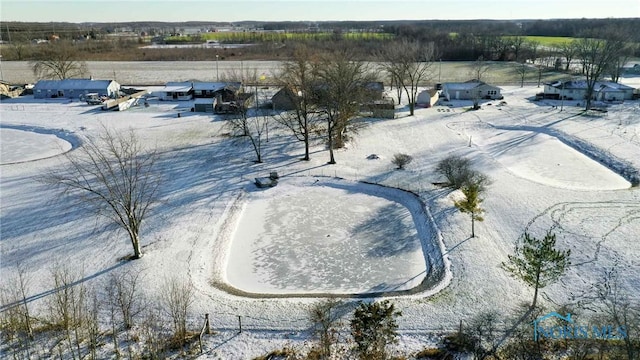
{"x": 537, "y": 263}
{"x": 373, "y": 327}
{"x": 471, "y": 203}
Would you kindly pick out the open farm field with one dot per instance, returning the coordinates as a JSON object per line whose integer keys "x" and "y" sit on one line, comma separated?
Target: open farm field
{"x": 159, "y": 72}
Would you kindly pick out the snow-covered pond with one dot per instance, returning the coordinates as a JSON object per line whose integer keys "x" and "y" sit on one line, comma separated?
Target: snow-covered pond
{"x": 321, "y": 236}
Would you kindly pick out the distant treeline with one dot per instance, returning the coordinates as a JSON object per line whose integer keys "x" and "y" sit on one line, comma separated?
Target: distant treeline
{"x": 500, "y": 40}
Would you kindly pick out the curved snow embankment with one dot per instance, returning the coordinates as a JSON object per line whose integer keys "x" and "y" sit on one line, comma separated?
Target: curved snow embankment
{"x": 554, "y": 158}
{"x": 22, "y": 143}
{"x": 619, "y": 166}
{"x": 318, "y": 236}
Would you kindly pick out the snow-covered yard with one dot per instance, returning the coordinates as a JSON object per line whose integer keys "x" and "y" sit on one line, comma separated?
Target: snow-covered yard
{"x": 550, "y": 169}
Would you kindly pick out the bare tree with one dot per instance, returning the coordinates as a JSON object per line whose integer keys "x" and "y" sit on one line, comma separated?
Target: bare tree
{"x": 410, "y": 64}
{"x": 479, "y": 68}
{"x": 568, "y": 50}
{"x": 522, "y": 70}
{"x": 58, "y": 61}
{"x": 622, "y": 310}
{"x": 250, "y": 127}
{"x": 68, "y": 306}
{"x": 483, "y": 333}
{"x": 115, "y": 177}
{"x": 517, "y": 44}
{"x": 15, "y": 320}
{"x": 177, "y": 297}
{"x": 325, "y": 320}
{"x": 617, "y": 65}
{"x": 338, "y": 94}
{"x": 297, "y": 79}
{"x": 122, "y": 288}
{"x": 598, "y": 51}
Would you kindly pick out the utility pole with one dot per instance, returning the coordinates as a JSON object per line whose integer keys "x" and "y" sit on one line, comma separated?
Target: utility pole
{"x": 217, "y": 75}
{"x": 562, "y": 96}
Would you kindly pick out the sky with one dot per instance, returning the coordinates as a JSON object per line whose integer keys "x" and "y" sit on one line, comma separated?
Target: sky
{"x": 308, "y": 10}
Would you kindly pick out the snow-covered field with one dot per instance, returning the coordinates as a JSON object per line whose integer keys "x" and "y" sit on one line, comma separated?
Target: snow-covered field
{"x": 550, "y": 169}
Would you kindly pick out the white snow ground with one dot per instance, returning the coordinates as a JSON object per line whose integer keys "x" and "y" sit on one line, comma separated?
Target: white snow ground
{"x": 593, "y": 210}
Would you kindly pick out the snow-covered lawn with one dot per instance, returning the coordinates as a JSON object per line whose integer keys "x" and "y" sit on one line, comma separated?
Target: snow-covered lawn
{"x": 550, "y": 170}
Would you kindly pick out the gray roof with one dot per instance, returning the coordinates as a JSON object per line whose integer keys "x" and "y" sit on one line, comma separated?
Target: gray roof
{"x": 582, "y": 85}
{"x": 67, "y": 84}
{"x": 215, "y": 86}
{"x": 184, "y": 86}
{"x": 468, "y": 85}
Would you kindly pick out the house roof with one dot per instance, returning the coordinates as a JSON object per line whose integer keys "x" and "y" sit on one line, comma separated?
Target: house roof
{"x": 582, "y": 85}
{"x": 468, "y": 85}
{"x": 374, "y": 86}
{"x": 215, "y": 86}
{"x": 178, "y": 87}
{"x": 80, "y": 84}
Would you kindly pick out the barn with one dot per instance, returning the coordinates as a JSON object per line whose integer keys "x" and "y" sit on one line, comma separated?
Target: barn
{"x": 74, "y": 88}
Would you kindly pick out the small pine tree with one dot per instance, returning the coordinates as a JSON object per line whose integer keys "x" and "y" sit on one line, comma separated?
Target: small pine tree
{"x": 537, "y": 263}
{"x": 373, "y": 327}
{"x": 471, "y": 203}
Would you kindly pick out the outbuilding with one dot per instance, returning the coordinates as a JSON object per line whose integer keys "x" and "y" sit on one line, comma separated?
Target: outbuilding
{"x": 74, "y": 88}
{"x": 284, "y": 99}
{"x": 427, "y": 98}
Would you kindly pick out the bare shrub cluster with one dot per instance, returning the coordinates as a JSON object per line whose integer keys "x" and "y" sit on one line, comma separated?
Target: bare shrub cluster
{"x": 74, "y": 322}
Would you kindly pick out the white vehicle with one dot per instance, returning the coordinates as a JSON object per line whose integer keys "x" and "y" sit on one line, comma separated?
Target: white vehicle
{"x": 92, "y": 99}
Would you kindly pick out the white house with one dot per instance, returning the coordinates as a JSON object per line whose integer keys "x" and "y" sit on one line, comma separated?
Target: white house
{"x": 73, "y": 88}
{"x": 470, "y": 90}
{"x": 177, "y": 91}
{"x": 577, "y": 90}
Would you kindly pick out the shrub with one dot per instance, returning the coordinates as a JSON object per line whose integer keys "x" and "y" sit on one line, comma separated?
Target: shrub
{"x": 433, "y": 354}
{"x": 455, "y": 169}
{"x": 458, "y": 172}
{"x": 401, "y": 160}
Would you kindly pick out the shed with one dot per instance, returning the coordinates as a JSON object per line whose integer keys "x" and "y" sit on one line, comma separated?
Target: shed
{"x": 427, "y": 98}
{"x": 284, "y": 99}
{"x": 73, "y": 88}
{"x": 374, "y": 90}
